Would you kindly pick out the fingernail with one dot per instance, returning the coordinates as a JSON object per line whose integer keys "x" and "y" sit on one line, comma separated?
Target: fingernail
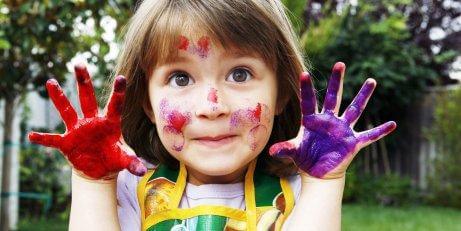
{"x": 138, "y": 168}
{"x": 120, "y": 84}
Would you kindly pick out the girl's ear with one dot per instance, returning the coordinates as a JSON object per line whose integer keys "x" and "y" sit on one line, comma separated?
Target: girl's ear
{"x": 148, "y": 110}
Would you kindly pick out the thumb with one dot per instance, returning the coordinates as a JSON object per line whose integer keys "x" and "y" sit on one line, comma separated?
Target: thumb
{"x": 136, "y": 167}
{"x": 131, "y": 162}
{"x": 283, "y": 149}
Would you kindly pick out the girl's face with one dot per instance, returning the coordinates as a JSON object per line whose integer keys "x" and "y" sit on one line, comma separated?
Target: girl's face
{"x": 213, "y": 108}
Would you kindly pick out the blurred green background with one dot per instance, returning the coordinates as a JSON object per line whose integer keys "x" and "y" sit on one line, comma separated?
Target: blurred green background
{"x": 409, "y": 181}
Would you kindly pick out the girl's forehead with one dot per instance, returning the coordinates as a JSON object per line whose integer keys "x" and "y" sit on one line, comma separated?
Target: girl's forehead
{"x": 203, "y": 44}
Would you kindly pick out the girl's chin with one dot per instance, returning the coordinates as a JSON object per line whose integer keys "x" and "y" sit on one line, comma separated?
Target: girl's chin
{"x": 212, "y": 168}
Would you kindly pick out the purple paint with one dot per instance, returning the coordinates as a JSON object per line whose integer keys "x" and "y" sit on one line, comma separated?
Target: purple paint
{"x": 334, "y": 84}
{"x": 357, "y": 106}
{"x": 308, "y": 102}
{"x": 176, "y": 121}
{"x": 250, "y": 116}
{"x": 203, "y": 47}
{"x": 327, "y": 140}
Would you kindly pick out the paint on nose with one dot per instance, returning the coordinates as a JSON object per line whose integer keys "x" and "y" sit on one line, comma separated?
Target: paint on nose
{"x": 212, "y": 95}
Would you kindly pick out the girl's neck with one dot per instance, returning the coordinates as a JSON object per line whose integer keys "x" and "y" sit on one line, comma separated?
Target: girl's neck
{"x": 197, "y": 178}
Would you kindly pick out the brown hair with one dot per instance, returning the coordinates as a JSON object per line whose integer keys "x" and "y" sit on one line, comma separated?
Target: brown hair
{"x": 259, "y": 26}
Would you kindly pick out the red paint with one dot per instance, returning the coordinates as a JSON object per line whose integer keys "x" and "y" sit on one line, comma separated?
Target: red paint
{"x": 212, "y": 96}
{"x": 177, "y": 120}
{"x": 91, "y": 144}
{"x": 276, "y": 148}
{"x": 86, "y": 92}
{"x": 257, "y": 112}
{"x": 203, "y": 46}
{"x": 183, "y": 43}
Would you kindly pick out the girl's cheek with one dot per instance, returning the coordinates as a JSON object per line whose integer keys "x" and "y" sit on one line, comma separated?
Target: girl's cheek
{"x": 173, "y": 122}
{"x": 255, "y": 120}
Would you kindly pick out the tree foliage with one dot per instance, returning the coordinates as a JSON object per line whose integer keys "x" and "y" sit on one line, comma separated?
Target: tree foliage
{"x": 38, "y": 39}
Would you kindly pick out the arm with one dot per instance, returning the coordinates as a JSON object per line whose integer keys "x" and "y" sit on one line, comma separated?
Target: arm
{"x": 323, "y": 149}
{"x": 319, "y": 205}
{"x": 94, "y": 204}
{"x": 93, "y": 148}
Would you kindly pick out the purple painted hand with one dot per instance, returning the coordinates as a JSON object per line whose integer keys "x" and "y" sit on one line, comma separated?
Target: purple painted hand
{"x": 327, "y": 143}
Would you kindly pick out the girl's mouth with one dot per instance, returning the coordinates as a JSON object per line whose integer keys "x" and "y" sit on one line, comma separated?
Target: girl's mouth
{"x": 217, "y": 141}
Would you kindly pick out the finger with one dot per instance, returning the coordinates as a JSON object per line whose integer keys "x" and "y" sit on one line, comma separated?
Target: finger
{"x": 355, "y": 109}
{"x": 62, "y": 104}
{"x": 132, "y": 163}
{"x": 367, "y": 137}
{"x": 46, "y": 139}
{"x": 283, "y": 150}
{"x": 334, "y": 89}
{"x": 86, "y": 92}
{"x": 308, "y": 100}
{"x": 115, "y": 105}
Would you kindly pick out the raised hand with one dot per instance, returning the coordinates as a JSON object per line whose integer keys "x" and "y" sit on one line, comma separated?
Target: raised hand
{"x": 92, "y": 143}
{"x": 327, "y": 143}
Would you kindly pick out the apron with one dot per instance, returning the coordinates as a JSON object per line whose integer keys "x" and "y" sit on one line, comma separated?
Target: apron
{"x": 268, "y": 202}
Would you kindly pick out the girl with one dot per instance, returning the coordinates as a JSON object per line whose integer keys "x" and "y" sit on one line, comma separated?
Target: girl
{"x": 210, "y": 89}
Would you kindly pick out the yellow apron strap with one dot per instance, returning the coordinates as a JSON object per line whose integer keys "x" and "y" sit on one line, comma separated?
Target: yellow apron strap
{"x": 141, "y": 191}
{"x": 179, "y": 187}
{"x": 288, "y": 195}
{"x": 250, "y": 200}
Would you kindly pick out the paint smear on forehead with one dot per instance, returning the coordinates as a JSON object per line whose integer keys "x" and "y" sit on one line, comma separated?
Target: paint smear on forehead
{"x": 201, "y": 48}
{"x": 183, "y": 43}
{"x": 175, "y": 120}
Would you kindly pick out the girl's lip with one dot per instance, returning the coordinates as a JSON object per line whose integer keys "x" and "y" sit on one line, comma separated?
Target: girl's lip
{"x": 215, "y": 138}
{"x": 218, "y": 141}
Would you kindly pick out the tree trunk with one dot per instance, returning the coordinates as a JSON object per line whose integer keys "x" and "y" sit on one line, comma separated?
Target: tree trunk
{"x": 10, "y": 169}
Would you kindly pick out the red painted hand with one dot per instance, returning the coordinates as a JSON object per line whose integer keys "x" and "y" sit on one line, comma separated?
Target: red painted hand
{"x": 91, "y": 144}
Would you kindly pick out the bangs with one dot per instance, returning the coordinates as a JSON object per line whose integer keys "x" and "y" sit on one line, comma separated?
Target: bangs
{"x": 229, "y": 25}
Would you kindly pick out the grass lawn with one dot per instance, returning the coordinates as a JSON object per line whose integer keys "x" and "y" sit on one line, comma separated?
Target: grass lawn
{"x": 374, "y": 218}
{"x": 355, "y": 217}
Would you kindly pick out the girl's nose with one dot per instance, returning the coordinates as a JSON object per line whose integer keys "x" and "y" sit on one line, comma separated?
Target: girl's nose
{"x": 211, "y": 106}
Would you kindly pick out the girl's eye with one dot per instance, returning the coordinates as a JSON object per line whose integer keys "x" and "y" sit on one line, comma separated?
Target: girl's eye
{"x": 239, "y": 75}
{"x": 179, "y": 79}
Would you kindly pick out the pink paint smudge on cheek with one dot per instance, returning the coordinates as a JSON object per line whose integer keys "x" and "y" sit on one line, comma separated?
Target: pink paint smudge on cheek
{"x": 212, "y": 96}
{"x": 249, "y": 116}
{"x": 255, "y": 136}
{"x": 175, "y": 123}
{"x": 257, "y": 118}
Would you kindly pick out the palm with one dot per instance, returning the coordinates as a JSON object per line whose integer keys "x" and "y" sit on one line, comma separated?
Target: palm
{"x": 91, "y": 144}
{"x": 327, "y": 143}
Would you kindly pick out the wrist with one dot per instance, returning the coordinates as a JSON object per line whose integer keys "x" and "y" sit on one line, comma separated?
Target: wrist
{"x": 77, "y": 176}
{"x": 308, "y": 179}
